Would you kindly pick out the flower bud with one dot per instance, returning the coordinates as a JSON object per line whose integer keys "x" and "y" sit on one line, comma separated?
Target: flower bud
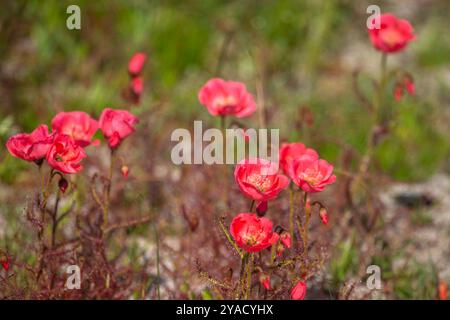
{"x": 63, "y": 184}
{"x": 398, "y": 92}
{"x": 280, "y": 249}
{"x": 261, "y": 208}
{"x": 299, "y": 291}
{"x": 323, "y": 215}
{"x": 5, "y": 264}
{"x": 442, "y": 290}
{"x": 409, "y": 85}
{"x": 285, "y": 238}
{"x": 264, "y": 279}
{"x": 125, "y": 171}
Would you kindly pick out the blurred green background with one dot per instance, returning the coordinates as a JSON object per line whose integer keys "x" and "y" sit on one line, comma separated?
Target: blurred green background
{"x": 299, "y": 53}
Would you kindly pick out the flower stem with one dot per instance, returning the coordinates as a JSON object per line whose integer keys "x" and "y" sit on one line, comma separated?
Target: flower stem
{"x": 291, "y": 212}
{"x": 108, "y": 191}
{"x": 158, "y": 272}
{"x": 252, "y": 205}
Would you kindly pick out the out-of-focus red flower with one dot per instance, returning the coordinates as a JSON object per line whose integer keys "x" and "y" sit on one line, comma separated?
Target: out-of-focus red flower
{"x": 76, "y": 124}
{"x": 65, "y": 155}
{"x": 398, "y": 92}
{"x": 125, "y": 171}
{"x": 136, "y": 63}
{"x": 259, "y": 180}
{"x": 116, "y": 125}
{"x": 30, "y": 147}
{"x": 442, "y": 290}
{"x": 226, "y": 98}
{"x": 323, "y": 215}
{"x": 409, "y": 85}
{"x": 264, "y": 279}
{"x": 393, "y": 35}
{"x": 252, "y": 233}
{"x": 137, "y": 86}
{"x": 285, "y": 238}
{"x": 299, "y": 291}
{"x": 312, "y": 174}
{"x": 291, "y": 151}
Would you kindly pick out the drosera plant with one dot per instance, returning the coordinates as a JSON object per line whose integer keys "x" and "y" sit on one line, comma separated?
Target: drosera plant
{"x": 274, "y": 260}
{"x": 58, "y": 156}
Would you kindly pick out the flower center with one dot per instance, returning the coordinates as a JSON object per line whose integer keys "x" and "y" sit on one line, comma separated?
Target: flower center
{"x": 261, "y": 183}
{"x": 391, "y": 37}
{"x": 312, "y": 176}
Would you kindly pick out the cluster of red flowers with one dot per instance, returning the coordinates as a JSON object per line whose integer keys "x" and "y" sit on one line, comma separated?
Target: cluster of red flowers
{"x": 260, "y": 179}
{"x": 72, "y": 132}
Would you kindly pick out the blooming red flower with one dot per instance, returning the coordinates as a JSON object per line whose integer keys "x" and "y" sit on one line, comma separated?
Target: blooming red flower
{"x": 291, "y": 151}
{"x": 223, "y": 98}
{"x": 76, "y": 124}
{"x": 299, "y": 291}
{"x": 136, "y": 63}
{"x": 65, "y": 154}
{"x": 252, "y": 233}
{"x": 311, "y": 174}
{"x": 393, "y": 35}
{"x": 30, "y": 147}
{"x": 116, "y": 125}
{"x": 259, "y": 180}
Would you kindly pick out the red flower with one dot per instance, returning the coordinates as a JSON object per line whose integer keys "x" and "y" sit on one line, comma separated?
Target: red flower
{"x": 311, "y": 174}
{"x": 223, "y": 98}
{"x": 65, "y": 155}
{"x": 252, "y": 233}
{"x": 30, "y": 147}
{"x": 259, "y": 180}
{"x": 393, "y": 35}
{"x": 76, "y": 124}
{"x": 299, "y": 291}
{"x": 116, "y": 125}
{"x": 136, "y": 63}
{"x": 291, "y": 151}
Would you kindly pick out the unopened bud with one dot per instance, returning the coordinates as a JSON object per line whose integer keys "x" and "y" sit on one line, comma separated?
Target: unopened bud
{"x": 280, "y": 249}
{"x": 323, "y": 215}
{"x": 442, "y": 290}
{"x": 125, "y": 171}
{"x": 285, "y": 238}
{"x": 264, "y": 279}
{"x": 261, "y": 208}
{"x": 63, "y": 184}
